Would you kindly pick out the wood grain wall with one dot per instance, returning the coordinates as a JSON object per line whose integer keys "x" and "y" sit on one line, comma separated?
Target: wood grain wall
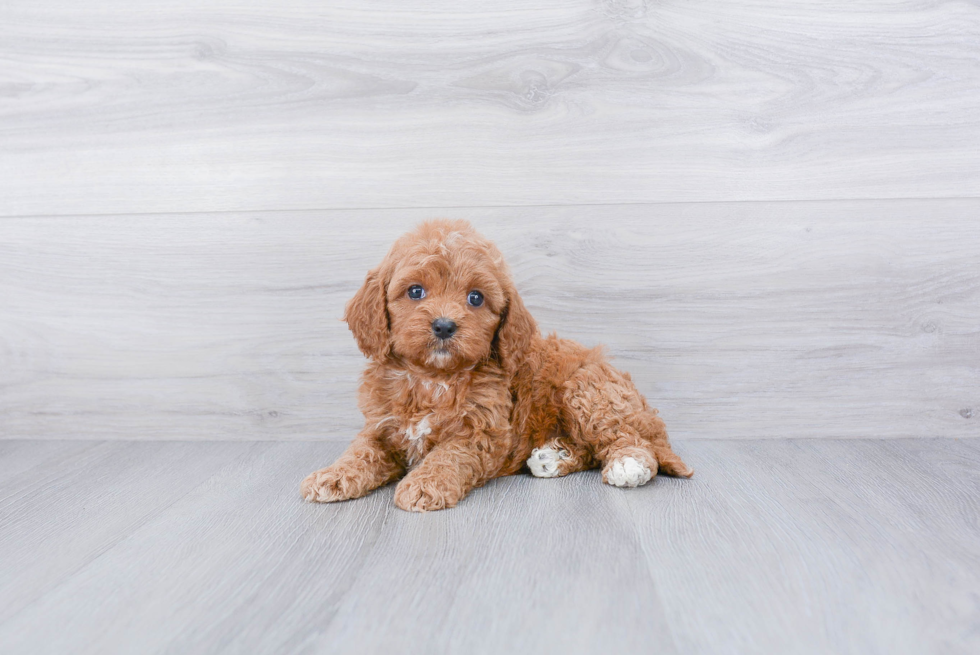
{"x": 767, "y": 209}
{"x": 123, "y": 106}
{"x": 803, "y": 319}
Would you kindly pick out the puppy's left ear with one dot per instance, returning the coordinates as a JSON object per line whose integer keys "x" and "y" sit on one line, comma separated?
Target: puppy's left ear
{"x": 367, "y": 315}
{"x": 515, "y": 333}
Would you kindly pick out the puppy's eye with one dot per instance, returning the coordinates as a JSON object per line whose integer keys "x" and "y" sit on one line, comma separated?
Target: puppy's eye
{"x": 416, "y": 292}
{"x": 475, "y": 298}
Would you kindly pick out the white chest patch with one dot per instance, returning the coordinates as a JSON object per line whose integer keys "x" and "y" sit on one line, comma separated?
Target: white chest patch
{"x": 419, "y": 430}
{"x": 416, "y": 434}
{"x": 627, "y": 472}
{"x": 435, "y": 387}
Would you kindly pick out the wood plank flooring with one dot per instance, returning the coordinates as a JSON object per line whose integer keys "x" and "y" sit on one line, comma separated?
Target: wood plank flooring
{"x": 127, "y": 107}
{"x": 789, "y": 546}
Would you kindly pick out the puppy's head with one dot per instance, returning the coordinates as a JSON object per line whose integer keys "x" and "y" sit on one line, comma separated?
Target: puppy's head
{"x": 441, "y": 299}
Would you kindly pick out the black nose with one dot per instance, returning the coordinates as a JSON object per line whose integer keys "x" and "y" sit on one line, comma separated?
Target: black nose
{"x": 443, "y": 328}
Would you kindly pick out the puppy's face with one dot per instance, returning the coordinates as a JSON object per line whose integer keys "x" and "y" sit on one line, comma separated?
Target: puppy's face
{"x": 444, "y": 301}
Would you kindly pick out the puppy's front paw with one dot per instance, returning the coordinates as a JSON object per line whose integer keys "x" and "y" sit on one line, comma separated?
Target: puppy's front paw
{"x": 326, "y": 486}
{"x": 425, "y": 495}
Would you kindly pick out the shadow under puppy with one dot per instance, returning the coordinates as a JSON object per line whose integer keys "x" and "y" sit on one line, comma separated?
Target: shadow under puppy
{"x": 461, "y": 387}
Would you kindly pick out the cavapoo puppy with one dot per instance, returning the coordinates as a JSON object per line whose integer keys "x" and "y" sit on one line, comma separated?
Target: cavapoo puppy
{"x": 461, "y": 387}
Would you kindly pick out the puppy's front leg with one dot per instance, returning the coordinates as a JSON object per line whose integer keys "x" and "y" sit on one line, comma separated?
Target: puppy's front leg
{"x": 364, "y": 466}
{"x": 443, "y": 477}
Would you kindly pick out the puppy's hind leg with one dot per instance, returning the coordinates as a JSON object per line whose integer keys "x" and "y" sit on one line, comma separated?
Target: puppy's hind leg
{"x": 639, "y": 450}
{"x": 608, "y": 414}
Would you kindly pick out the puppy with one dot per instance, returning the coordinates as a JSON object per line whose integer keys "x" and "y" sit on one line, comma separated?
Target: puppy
{"x": 461, "y": 387}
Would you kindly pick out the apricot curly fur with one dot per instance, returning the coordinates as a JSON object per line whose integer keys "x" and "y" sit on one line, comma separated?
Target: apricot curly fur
{"x": 448, "y": 415}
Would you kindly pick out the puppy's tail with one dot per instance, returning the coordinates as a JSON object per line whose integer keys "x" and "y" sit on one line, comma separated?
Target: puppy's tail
{"x": 670, "y": 463}
{"x": 667, "y": 460}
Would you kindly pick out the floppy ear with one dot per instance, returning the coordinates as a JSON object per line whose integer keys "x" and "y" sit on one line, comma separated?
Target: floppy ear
{"x": 514, "y": 334}
{"x": 367, "y": 315}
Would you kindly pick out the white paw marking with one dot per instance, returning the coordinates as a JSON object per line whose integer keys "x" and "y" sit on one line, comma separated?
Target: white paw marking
{"x": 543, "y": 462}
{"x": 627, "y": 472}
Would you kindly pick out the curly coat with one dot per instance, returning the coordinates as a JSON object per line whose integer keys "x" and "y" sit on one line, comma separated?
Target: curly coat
{"x": 448, "y": 414}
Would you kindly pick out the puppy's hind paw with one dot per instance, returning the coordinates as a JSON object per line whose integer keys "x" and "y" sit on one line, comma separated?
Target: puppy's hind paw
{"x": 626, "y": 472}
{"x": 546, "y": 462}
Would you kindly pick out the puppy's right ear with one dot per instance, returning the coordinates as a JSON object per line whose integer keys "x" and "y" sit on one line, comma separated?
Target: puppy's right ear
{"x": 367, "y": 315}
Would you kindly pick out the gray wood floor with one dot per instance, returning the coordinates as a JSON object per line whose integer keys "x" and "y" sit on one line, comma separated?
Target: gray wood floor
{"x": 775, "y": 546}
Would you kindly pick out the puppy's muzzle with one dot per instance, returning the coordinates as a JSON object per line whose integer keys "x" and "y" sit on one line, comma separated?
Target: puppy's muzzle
{"x": 443, "y": 328}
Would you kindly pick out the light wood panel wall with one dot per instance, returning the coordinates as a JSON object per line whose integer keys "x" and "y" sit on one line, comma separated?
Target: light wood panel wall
{"x": 126, "y": 107}
{"x": 738, "y": 320}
